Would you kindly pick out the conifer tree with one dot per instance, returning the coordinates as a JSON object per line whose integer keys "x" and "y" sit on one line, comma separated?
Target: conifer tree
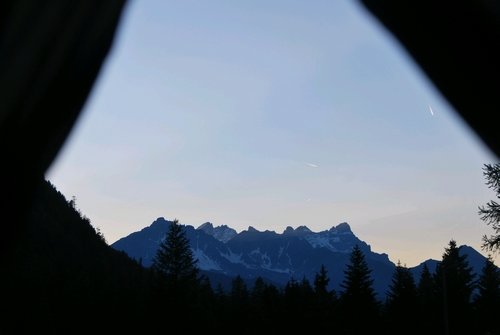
{"x": 324, "y": 296}
{"x": 491, "y": 212}
{"x": 298, "y": 297}
{"x": 454, "y": 282}
{"x": 239, "y": 303}
{"x": 306, "y": 290}
{"x": 427, "y": 303}
{"x": 426, "y": 287}
{"x": 174, "y": 258}
{"x": 258, "y": 302}
{"x": 358, "y": 284}
{"x": 259, "y": 289}
{"x": 402, "y": 303}
{"x": 265, "y": 307}
{"x": 321, "y": 281}
{"x": 324, "y": 303}
{"x": 292, "y": 296}
{"x": 487, "y": 301}
{"x": 239, "y": 290}
{"x": 179, "y": 286}
{"x": 358, "y": 302}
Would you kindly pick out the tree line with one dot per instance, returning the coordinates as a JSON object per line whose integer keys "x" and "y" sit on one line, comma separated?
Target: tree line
{"x": 62, "y": 277}
{"x": 449, "y": 301}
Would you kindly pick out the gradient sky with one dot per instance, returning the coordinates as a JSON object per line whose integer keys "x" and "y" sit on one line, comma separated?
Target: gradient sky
{"x": 272, "y": 114}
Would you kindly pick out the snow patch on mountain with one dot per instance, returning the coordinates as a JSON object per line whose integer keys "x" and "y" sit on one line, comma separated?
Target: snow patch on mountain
{"x": 329, "y": 242}
{"x": 280, "y": 252}
{"x": 205, "y": 262}
{"x": 270, "y": 268}
{"x": 295, "y": 253}
{"x": 233, "y": 258}
{"x": 222, "y": 233}
{"x": 319, "y": 241}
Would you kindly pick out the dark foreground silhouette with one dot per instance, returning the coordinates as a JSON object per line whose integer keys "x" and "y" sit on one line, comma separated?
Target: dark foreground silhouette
{"x": 64, "y": 278}
{"x": 57, "y": 272}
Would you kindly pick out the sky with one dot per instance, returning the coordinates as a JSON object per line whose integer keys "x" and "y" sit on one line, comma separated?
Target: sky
{"x": 273, "y": 114}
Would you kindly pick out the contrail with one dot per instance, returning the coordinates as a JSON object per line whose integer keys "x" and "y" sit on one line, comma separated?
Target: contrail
{"x": 312, "y": 165}
{"x": 430, "y": 110}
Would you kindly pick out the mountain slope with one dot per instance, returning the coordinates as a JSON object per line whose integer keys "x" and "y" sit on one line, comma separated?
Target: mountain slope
{"x": 63, "y": 273}
{"x": 296, "y": 253}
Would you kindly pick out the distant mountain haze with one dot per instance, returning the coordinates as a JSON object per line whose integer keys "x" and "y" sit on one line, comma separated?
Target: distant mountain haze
{"x": 295, "y": 253}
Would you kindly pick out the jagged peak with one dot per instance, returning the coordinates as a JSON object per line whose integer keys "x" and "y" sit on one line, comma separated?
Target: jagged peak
{"x": 159, "y": 221}
{"x": 303, "y": 229}
{"x": 343, "y": 228}
{"x": 252, "y": 229}
{"x": 206, "y": 225}
{"x": 299, "y": 231}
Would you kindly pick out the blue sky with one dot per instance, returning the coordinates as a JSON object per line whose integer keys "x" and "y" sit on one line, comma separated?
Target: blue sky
{"x": 221, "y": 110}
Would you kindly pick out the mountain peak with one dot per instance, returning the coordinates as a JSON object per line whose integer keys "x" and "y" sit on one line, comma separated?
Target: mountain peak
{"x": 342, "y": 228}
{"x": 299, "y": 231}
{"x": 303, "y": 229}
{"x": 159, "y": 224}
{"x": 297, "y": 251}
{"x": 222, "y": 233}
{"x": 159, "y": 220}
{"x": 252, "y": 229}
{"x": 207, "y": 226}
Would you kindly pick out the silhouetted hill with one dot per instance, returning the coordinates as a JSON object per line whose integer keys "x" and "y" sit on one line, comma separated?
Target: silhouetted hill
{"x": 62, "y": 274}
{"x": 63, "y": 278}
{"x": 474, "y": 258}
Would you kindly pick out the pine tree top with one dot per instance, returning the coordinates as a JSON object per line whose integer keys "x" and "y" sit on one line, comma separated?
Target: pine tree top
{"x": 174, "y": 258}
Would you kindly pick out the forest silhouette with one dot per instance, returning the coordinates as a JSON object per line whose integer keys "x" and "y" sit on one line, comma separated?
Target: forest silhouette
{"x": 64, "y": 275}
{"x": 59, "y": 275}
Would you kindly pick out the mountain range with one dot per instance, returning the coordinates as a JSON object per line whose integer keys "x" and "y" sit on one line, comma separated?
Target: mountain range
{"x": 298, "y": 253}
